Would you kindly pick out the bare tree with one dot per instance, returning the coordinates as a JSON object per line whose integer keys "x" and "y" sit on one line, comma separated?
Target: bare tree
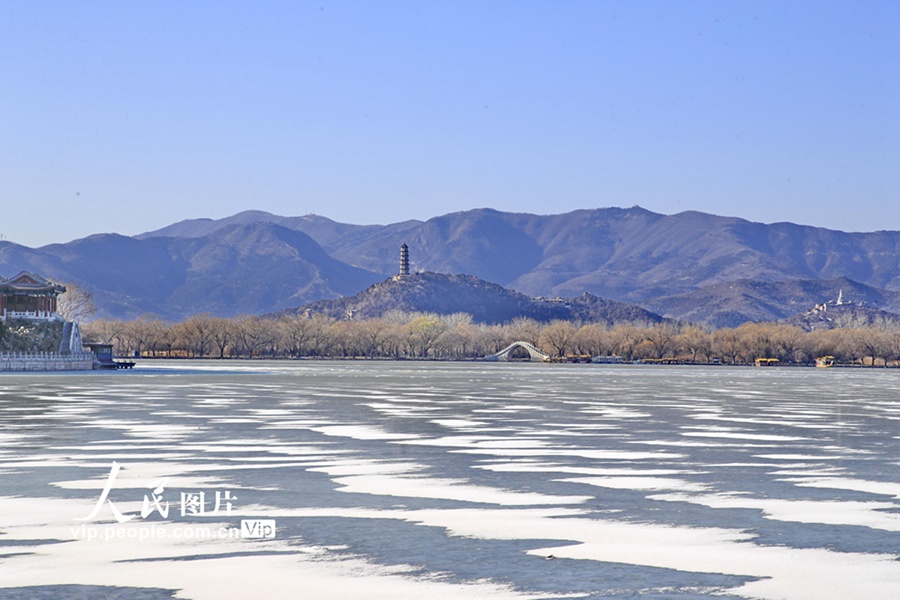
{"x": 893, "y": 344}
{"x": 872, "y": 344}
{"x": 76, "y": 303}
{"x": 222, "y": 335}
{"x": 626, "y": 337}
{"x": 728, "y": 343}
{"x": 557, "y": 336}
{"x": 523, "y": 330}
{"x": 196, "y": 334}
{"x": 320, "y": 339}
{"x": 422, "y": 333}
{"x": 139, "y": 334}
{"x": 593, "y": 339}
{"x": 757, "y": 341}
{"x": 787, "y": 339}
{"x": 343, "y": 338}
{"x": 371, "y": 336}
{"x": 254, "y": 335}
{"x": 696, "y": 341}
{"x": 104, "y": 331}
{"x": 295, "y": 332}
{"x": 661, "y": 338}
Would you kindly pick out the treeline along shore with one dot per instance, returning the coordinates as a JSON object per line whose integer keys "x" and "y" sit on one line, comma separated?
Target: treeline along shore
{"x": 403, "y": 335}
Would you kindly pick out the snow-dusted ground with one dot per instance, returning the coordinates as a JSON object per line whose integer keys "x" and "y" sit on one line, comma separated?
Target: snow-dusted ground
{"x": 411, "y": 480}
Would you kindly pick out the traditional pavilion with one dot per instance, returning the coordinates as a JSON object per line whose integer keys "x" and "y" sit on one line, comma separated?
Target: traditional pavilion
{"x": 29, "y": 296}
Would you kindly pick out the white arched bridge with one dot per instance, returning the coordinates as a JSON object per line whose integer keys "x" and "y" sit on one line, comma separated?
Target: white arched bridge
{"x": 534, "y": 354}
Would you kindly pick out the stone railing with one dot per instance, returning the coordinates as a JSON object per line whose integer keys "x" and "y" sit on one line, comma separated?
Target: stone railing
{"x": 46, "y": 361}
{"x": 45, "y": 315}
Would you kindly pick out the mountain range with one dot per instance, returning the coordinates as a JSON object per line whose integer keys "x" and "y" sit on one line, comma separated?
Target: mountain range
{"x": 237, "y": 269}
{"x": 708, "y": 268}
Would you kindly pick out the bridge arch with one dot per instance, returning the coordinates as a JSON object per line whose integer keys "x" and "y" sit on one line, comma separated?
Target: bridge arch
{"x": 534, "y": 354}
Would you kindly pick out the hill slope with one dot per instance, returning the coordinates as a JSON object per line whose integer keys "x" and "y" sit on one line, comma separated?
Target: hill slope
{"x": 730, "y": 304}
{"x": 486, "y": 302}
{"x": 237, "y": 269}
{"x": 847, "y": 315}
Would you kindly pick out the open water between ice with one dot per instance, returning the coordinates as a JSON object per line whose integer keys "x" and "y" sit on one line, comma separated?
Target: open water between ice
{"x": 450, "y": 480}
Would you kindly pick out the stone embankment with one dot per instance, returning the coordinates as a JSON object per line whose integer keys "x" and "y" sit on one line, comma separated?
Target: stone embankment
{"x": 46, "y": 361}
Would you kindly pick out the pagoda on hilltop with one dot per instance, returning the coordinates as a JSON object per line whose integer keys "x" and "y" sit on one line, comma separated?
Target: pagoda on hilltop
{"x": 404, "y": 263}
{"x": 841, "y": 301}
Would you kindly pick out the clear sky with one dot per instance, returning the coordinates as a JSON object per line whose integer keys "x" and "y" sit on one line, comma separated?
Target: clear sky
{"x": 127, "y": 116}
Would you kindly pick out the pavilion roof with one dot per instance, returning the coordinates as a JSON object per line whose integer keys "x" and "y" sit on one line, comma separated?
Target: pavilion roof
{"x": 26, "y": 282}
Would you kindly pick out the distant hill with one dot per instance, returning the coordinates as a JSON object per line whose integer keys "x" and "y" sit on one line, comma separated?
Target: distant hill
{"x": 325, "y": 229}
{"x": 486, "y": 302}
{"x": 593, "y": 309}
{"x": 847, "y": 315}
{"x": 730, "y": 304}
{"x": 255, "y": 268}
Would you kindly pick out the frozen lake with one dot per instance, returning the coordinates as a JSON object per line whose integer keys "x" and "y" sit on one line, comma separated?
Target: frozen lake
{"x": 450, "y": 480}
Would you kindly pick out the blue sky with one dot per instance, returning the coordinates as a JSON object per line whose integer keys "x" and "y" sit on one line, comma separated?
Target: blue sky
{"x": 127, "y": 116}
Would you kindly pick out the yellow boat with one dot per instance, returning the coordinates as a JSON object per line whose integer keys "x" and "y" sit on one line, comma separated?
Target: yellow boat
{"x": 825, "y": 361}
